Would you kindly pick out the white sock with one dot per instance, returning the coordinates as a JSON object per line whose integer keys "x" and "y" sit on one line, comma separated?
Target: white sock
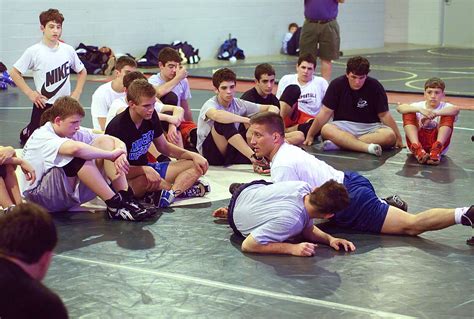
{"x": 375, "y": 149}
{"x": 329, "y": 145}
{"x": 458, "y": 212}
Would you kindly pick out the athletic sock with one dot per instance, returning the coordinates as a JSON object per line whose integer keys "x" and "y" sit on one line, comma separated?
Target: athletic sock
{"x": 458, "y": 212}
{"x": 329, "y": 145}
{"x": 375, "y": 149}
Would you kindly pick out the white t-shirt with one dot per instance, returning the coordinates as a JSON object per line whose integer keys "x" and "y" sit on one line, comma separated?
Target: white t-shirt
{"x": 426, "y": 123}
{"x": 121, "y": 104}
{"x": 51, "y": 68}
{"x": 41, "y": 150}
{"x": 312, "y": 93}
{"x": 101, "y": 101}
{"x": 181, "y": 89}
{"x": 272, "y": 213}
{"x": 291, "y": 163}
{"x": 237, "y": 106}
{"x": 284, "y": 42}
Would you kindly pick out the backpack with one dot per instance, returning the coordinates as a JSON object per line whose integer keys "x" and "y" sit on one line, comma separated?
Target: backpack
{"x": 187, "y": 52}
{"x": 96, "y": 60}
{"x": 229, "y": 49}
{"x": 150, "y": 58}
{"x": 293, "y": 47}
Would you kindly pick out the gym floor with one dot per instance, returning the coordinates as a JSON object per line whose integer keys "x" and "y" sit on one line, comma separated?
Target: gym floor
{"x": 183, "y": 263}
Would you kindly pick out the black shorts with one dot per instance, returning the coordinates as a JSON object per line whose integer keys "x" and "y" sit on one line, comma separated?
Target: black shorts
{"x": 230, "y": 211}
{"x": 231, "y": 156}
{"x": 3, "y": 171}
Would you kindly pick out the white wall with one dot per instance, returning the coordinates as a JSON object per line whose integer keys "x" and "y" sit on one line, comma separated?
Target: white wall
{"x": 423, "y": 21}
{"x": 130, "y": 26}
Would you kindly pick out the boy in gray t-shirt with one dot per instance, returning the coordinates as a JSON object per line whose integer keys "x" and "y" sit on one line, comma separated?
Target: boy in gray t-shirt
{"x": 223, "y": 123}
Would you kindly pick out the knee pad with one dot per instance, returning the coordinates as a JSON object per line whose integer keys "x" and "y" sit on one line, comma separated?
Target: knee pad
{"x": 170, "y": 98}
{"x": 291, "y": 94}
{"x": 446, "y": 120}
{"x": 227, "y": 130}
{"x": 3, "y": 171}
{"x": 305, "y": 127}
{"x": 410, "y": 119}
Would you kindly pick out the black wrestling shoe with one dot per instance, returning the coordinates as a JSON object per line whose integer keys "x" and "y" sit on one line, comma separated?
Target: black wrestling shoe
{"x": 396, "y": 201}
{"x": 467, "y": 219}
{"x": 120, "y": 208}
{"x": 234, "y": 186}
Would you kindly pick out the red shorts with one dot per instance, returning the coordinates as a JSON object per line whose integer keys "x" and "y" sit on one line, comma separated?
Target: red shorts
{"x": 299, "y": 118}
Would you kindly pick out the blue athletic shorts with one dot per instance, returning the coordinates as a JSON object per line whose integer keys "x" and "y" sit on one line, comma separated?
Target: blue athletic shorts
{"x": 160, "y": 168}
{"x": 366, "y": 212}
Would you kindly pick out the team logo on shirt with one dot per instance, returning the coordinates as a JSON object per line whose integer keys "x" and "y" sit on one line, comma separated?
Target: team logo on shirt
{"x": 140, "y": 146}
{"x": 55, "y": 76}
{"x": 362, "y": 103}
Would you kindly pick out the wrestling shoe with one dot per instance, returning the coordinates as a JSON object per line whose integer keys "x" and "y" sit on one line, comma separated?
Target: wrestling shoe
{"x": 161, "y": 198}
{"x": 467, "y": 218}
{"x": 396, "y": 201}
{"x": 119, "y": 208}
{"x": 199, "y": 189}
{"x": 6, "y": 210}
{"x": 435, "y": 153}
{"x": 234, "y": 187}
{"x": 419, "y": 153}
{"x": 6, "y": 78}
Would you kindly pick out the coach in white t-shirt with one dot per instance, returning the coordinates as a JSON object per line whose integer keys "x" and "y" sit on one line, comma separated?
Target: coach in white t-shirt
{"x": 366, "y": 211}
{"x": 106, "y": 93}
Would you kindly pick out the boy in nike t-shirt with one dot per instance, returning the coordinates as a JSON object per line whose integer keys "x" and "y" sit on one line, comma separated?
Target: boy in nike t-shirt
{"x": 51, "y": 62}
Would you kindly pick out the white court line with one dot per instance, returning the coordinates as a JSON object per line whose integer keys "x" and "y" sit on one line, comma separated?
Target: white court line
{"x": 28, "y": 108}
{"x": 242, "y": 289}
{"x": 456, "y": 127}
{"x": 376, "y": 159}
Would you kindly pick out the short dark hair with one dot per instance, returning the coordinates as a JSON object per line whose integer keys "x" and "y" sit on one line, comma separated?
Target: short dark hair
{"x": 358, "y": 65}
{"x": 124, "y": 61}
{"x": 271, "y": 120}
{"x": 307, "y": 58}
{"x": 132, "y": 76}
{"x": 51, "y": 15}
{"x": 292, "y": 25}
{"x": 222, "y": 75}
{"x": 262, "y": 69}
{"x": 330, "y": 197}
{"x": 27, "y": 232}
{"x": 63, "y": 107}
{"x": 435, "y": 83}
{"x": 138, "y": 89}
{"x": 169, "y": 55}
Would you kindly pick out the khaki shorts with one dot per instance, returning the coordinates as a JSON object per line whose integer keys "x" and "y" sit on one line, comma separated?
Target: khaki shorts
{"x": 55, "y": 193}
{"x": 358, "y": 129}
{"x": 320, "y": 39}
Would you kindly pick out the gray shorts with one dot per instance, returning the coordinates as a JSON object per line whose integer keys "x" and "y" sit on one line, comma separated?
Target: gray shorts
{"x": 358, "y": 129}
{"x": 55, "y": 193}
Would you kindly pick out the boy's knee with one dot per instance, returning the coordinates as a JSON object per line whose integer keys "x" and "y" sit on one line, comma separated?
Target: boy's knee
{"x": 446, "y": 120}
{"x": 226, "y": 130}
{"x": 410, "y": 119}
{"x": 328, "y": 131}
{"x": 104, "y": 142}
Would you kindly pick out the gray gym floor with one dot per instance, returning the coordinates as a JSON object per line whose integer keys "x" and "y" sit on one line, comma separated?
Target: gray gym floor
{"x": 183, "y": 263}
{"x": 398, "y": 71}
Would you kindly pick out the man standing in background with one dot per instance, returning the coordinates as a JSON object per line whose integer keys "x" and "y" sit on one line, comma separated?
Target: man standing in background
{"x": 320, "y": 33}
